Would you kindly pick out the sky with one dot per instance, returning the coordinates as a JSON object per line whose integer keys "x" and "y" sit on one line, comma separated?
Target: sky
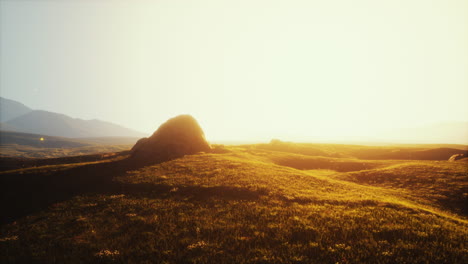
{"x": 246, "y": 70}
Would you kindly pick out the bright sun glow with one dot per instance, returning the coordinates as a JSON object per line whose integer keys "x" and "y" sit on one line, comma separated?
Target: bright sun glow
{"x": 247, "y": 70}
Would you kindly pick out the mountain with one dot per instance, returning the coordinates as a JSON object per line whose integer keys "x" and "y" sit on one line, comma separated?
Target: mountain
{"x": 16, "y": 117}
{"x": 54, "y": 124}
{"x": 10, "y": 109}
{"x": 6, "y": 127}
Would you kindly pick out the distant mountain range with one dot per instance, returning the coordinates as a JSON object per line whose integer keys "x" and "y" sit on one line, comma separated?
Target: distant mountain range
{"x": 17, "y": 117}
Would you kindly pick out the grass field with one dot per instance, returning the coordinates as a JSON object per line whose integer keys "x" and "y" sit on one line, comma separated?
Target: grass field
{"x": 239, "y": 204}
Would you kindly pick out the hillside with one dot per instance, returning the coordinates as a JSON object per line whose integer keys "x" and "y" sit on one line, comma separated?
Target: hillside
{"x": 237, "y": 204}
{"x": 8, "y": 128}
{"x": 394, "y": 151}
{"x": 10, "y": 109}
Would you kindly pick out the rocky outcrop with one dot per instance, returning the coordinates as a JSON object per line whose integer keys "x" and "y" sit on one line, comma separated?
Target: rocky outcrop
{"x": 457, "y": 157}
{"x": 179, "y": 136}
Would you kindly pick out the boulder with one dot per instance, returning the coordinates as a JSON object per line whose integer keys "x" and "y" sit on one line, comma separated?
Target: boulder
{"x": 457, "y": 157}
{"x": 179, "y": 136}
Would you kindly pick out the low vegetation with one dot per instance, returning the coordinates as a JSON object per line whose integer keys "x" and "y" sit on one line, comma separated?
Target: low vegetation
{"x": 438, "y": 183}
{"x": 247, "y": 204}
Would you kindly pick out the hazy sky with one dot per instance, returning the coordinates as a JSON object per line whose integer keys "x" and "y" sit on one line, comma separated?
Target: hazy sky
{"x": 247, "y": 70}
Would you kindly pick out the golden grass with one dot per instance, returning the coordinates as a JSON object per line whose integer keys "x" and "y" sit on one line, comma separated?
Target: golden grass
{"x": 241, "y": 206}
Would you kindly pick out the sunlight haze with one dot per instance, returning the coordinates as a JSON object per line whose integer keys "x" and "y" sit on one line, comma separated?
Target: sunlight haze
{"x": 246, "y": 70}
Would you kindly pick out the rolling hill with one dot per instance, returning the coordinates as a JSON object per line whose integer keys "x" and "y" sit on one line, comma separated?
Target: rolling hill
{"x": 237, "y": 204}
{"x": 7, "y": 127}
{"x": 387, "y": 152}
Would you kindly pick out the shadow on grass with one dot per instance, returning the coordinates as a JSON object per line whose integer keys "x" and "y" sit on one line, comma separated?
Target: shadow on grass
{"x": 24, "y": 194}
{"x": 194, "y": 193}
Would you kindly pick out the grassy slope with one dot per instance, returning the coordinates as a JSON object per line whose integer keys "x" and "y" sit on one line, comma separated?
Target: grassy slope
{"x": 395, "y": 152}
{"x": 438, "y": 183}
{"x": 243, "y": 207}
